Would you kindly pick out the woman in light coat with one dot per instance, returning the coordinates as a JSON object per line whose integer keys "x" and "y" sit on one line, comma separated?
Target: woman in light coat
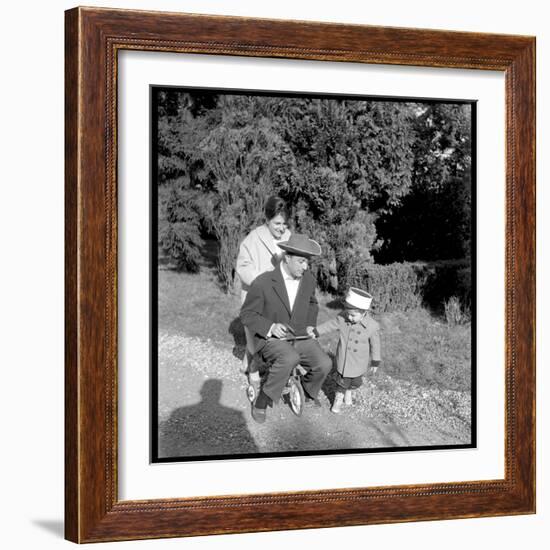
{"x": 258, "y": 253}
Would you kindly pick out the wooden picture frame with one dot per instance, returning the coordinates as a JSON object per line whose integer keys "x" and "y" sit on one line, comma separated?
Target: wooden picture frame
{"x": 93, "y": 511}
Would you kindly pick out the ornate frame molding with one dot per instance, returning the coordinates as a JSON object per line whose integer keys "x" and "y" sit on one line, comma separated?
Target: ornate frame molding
{"x": 93, "y": 38}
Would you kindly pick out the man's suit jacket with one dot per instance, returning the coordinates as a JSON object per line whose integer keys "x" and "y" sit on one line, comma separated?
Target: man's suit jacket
{"x": 267, "y": 303}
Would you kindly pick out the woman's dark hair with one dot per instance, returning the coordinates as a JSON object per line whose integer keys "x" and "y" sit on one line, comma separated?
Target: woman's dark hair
{"x": 274, "y": 206}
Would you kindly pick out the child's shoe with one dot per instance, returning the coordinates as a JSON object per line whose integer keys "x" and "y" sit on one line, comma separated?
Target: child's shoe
{"x": 348, "y": 397}
{"x": 338, "y": 400}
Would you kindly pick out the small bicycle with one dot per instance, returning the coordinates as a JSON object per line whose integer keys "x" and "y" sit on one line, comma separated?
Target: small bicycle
{"x": 293, "y": 388}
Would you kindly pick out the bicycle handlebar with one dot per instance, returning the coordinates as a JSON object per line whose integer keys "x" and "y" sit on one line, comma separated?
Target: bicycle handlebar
{"x": 293, "y": 338}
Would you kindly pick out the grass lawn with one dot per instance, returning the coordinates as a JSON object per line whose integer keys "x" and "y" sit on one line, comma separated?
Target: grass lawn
{"x": 416, "y": 346}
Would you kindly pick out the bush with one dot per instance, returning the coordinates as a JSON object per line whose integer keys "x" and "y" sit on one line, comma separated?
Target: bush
{"x": 244, "y": 159}
{"x": 446, "y": 279}
{"x": 345, "y": 243}
{"x": 182, "y": 242}
{"x": 179, "y": 229}
{"x": 395, "y": 287}
{"x": 455, "y": 314}
{"x": 406, "y": 286}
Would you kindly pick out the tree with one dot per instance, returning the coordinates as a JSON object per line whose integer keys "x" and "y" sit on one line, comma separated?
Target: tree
{"x": 367, "y": 179}
{"x": 434, "y": 219}
{"x": 244, "y": 158}
{"x": 179, "y": 230}
{"x": 353, "y": 160}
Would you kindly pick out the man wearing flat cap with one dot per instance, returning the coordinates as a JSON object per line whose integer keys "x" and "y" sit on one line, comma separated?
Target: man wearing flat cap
{"x": 279, "y": 304}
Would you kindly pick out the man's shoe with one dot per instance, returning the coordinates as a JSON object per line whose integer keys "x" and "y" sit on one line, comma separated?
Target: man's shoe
{"x": 254, "y": 386}
{"x": 313, "y": 402}
{"x": 259, "y": 415}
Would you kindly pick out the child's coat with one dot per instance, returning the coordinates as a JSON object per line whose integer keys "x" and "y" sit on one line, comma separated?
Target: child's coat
{"x": 358, "y": 343}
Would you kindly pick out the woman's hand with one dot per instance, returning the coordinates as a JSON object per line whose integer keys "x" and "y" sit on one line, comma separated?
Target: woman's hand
{"x": 311, "y": 332}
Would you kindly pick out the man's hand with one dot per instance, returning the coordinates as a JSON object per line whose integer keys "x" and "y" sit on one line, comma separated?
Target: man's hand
{"x": 311, "y": 332}
{"x": 279, "y": 330}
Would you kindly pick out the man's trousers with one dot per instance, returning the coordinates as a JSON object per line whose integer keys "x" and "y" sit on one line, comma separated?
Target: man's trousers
{"x": 283, "y": 357}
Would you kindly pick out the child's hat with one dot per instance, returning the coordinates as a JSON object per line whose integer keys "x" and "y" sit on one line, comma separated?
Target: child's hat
{"x": 358, "y": 299}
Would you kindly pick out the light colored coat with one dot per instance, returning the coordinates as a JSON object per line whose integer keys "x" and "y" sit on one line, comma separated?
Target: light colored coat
{"x": 258, "y": 253}
{"x": 358, "y": 344}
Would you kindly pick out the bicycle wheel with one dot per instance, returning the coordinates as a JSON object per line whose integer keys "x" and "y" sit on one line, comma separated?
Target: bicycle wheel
{"x": 296, "y": 396}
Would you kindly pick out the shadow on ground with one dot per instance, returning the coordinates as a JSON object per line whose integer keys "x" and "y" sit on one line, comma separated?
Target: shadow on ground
{"x": 329, "y": 385}
{"x": 236, "y": 330}
{"x": 205, "y": 429}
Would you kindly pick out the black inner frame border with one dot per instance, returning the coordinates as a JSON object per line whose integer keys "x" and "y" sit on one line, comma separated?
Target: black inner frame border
{"x": 154, "y": 90}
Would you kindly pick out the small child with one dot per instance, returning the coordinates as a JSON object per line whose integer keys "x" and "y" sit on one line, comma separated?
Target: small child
{"x": 359, "y": 340}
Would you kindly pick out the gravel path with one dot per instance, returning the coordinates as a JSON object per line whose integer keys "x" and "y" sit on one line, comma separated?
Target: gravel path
{"x": 203, "y": 410}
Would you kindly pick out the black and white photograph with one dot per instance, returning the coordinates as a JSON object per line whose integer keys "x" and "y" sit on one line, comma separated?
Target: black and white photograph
{"x": 274, "y": 275}
{"x": 313, "y": 274}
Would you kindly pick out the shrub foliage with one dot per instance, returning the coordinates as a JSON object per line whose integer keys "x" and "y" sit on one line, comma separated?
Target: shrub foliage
{"x": 369, "y": 180}
{"x": 408, "y": 285}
